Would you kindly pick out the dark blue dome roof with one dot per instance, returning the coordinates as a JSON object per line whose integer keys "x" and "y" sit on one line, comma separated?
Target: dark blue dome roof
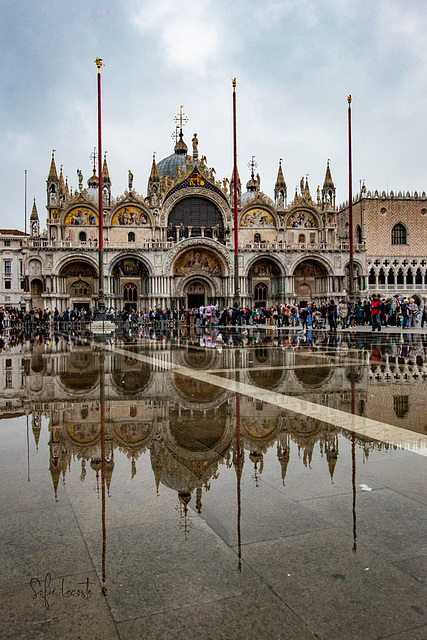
{"x": 169, "y": 165}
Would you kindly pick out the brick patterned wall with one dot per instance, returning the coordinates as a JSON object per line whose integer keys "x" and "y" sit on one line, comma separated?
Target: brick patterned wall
{"x": 380, "y": 215}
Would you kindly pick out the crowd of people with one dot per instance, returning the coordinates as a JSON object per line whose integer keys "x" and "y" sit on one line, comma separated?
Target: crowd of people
{"x": 376, "y": 312}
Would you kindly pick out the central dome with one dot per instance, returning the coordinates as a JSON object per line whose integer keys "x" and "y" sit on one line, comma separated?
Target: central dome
{"x": 168, "y": 166}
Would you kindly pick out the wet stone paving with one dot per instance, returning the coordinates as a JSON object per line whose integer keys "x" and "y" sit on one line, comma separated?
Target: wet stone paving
{"x": 183, "y": 484}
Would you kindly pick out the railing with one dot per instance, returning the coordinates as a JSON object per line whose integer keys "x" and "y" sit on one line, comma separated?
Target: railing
{"x": 154, "y": 245}
{"x": 399, "y": 287}
{"x": 310, "y": 246}
{"x": 149, "y": 245}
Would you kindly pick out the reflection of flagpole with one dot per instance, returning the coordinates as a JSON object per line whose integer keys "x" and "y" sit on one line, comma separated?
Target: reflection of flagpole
{"x": 239, "y": 476}
{"x": 102, "y": 418}
{"x": 236, "y": 226}
{"x": 238, "y": 463}
{"x": 353, "y": 467}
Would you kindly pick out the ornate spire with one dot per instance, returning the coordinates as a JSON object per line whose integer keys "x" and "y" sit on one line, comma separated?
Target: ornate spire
{"x": 34, "y": 222}
{"x": 153, "y": 189}
{"x": 154, "y": 176}
{"x": 105, "y": 172}
{"x": 328, "y": 190}
{"x": 280, "y": 189}
{"x": 34, "y": 215}
{"x": 61, "y": 183}
{"x": 52, "y": 171}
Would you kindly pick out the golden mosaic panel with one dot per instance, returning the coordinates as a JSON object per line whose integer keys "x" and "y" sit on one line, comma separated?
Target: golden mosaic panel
{"x": 257, "y": 218}
{"x": 302, "y": 220}
{"x": 81, "y": 216}
{"x": 200, "y": 260}
{"x": 130, "y": 216}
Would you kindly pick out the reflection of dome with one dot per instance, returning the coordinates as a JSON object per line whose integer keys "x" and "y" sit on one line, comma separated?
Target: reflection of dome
{"x": 197, "y": 435}
{"x": 177, "y": 483}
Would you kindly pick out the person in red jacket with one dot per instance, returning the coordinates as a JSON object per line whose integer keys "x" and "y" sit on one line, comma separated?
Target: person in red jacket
{"x": 375, "y": 313}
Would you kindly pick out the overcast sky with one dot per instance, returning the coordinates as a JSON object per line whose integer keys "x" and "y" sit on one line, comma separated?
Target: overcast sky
{"x": 295, "y": 62}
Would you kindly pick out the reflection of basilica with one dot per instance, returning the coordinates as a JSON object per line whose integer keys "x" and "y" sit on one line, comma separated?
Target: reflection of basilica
{"x": 189, "y": 429}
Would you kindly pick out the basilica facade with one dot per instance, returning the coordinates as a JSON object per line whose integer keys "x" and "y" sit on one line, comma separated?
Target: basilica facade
{"x": 173, "y": 247}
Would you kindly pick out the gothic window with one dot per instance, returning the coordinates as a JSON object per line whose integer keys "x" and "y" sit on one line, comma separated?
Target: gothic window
{"x": 130, "y": 292}
{"x": 390, "y": 277}
{"x": 82, "y": 236}
{"x": 398, "y": 234}
{"x": 409, "y": 278}
{"x": 400, "y": 278}
{"x": 358, "y": 234}
{"x": 257, "y": 237}
{"x": 261, "y": 292}
{"x": 131, "y": 236}
{"x": 372, "y": 278}
{"x": 418, "y": 277}
{"x": 381, "y": 276}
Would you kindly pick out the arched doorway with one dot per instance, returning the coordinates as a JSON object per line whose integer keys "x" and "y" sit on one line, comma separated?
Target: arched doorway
{"x": 310, "y": 281}
{"x": 196, "y": 294}
{"x": 265, "y": 282}
{"x": 129, "y": 282}
{"x": 36, "y": 288}
{"x": 80, "y": 281}
{"x": 198, "y": 273}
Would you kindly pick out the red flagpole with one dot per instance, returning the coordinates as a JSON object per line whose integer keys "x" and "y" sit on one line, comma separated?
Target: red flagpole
{"x": 236, "y": 226}
{"x": 101, "y": 302}
{"x": 350, "y": 205}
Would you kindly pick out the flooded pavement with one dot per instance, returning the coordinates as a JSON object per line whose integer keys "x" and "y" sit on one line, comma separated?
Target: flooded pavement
{"x": 176, "y": 485}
